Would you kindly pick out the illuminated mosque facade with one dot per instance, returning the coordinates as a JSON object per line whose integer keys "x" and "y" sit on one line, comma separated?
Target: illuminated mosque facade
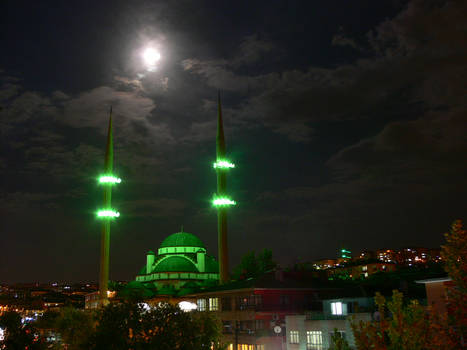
{"x": 181, "y": 263}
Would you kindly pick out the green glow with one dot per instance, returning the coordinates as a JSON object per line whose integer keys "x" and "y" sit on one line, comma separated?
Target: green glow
{"x": 223, "y": 202}
{"x": 108, "y": 213}
{"x": 223, "y": 164}
{"x": 345, "y": 254}
{"x": 109, "y": 179}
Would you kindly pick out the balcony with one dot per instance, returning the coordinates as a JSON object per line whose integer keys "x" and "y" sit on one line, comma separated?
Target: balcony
{"x": 251, "y": 332}
{"x": 297, "y": 307}
{"x": 320, "y": 316}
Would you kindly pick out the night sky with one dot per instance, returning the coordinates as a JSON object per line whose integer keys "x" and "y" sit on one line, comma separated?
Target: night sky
{"x": 347, "y": 121}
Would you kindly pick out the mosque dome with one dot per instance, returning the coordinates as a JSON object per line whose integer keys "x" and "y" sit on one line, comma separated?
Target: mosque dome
{"x": 182, "y": 239}
{"x": 175, "y": 264}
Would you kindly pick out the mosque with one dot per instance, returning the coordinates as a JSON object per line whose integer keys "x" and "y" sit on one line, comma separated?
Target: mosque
{"x": 181, "y": 263}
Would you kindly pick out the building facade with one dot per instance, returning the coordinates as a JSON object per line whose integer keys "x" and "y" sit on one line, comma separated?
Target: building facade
{"x": 254, "y": 311}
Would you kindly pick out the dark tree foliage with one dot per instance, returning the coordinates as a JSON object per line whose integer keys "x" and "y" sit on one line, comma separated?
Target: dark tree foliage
{"x": 130, "y": 326}
{"x": 454, "y": 255}
{"x": 17, "y": 335}
{"x": 402, "y": 326}
{"x": 75, "y": 326}
{"x": 338, "y": 342}
{"x": 253, "y": 265}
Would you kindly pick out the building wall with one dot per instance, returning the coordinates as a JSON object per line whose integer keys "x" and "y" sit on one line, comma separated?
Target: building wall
{"x": 302, "y": 324}
{"x": 250, "y": 315}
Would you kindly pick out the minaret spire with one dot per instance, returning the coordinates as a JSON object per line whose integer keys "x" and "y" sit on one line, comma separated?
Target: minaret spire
{"x": 109, "y": 150}
{"x": 220, "y": 140}
{"x": 221, "y": 200}
{"x": 107, "y": 213}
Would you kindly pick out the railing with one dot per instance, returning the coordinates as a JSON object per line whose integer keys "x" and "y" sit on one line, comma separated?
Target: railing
{"x": 276, "y": 307}
{"x": 256, "y": 333}
{"x": 318, "y": 316}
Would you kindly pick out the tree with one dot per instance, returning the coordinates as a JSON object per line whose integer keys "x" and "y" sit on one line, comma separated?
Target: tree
{"x": 75, "y": 326}
{"x": 17, "y": 335}
{"x": 339, "y": 342}
{"x": 454, "y": 255}
{"x": 129, "y": 325}
{"x": 405, "y": 327}
{"x": 252, "y": 266}
{"x": 413, "y": 327}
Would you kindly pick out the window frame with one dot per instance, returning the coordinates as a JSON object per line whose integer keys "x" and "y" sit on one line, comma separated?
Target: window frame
{"x": 213, "y": 304}
{"x": 294, "y": 337}
{"x": 335, "y": 309}
{"x": 313, "y": 335}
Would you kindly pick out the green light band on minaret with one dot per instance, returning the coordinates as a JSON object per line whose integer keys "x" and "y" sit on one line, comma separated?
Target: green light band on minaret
{"x": 108, "y": 213}
{"x": 221, "y": 200}
{"x": 223, "y": 164}
{"x": 109, "y": 179}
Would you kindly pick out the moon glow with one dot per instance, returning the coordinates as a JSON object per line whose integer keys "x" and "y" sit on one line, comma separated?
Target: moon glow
{"x": 150, "y": 57}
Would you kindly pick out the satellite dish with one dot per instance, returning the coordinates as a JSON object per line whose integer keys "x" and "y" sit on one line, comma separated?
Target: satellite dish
{"x": 277, "y": 329}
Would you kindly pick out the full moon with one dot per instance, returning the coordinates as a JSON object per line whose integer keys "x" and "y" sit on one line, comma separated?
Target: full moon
{"x": 151, "y": 56}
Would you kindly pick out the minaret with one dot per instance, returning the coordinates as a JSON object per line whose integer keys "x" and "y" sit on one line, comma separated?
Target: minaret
{"x": 107, "y": 214}
{"x": 222, "y": 200}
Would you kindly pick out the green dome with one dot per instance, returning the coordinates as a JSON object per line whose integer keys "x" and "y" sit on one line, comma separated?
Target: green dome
{"x": 175, "y": 264}
{"x": 182, "y": 239}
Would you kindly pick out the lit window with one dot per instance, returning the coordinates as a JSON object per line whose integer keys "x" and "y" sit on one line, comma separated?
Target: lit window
{"x": 259, "y": 347}
{"x": 365, "y": 268}
{"x": 314, "y": 338}
{"x": 245, "y": 347}
{"x": 294, "y": 338}
{"x": 336, "y": 308}
{"x": 201, "y": 304}
{"x": 213, "y": 304}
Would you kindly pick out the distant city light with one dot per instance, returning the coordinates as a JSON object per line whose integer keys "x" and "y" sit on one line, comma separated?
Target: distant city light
{"x": 223, "y": 201}
{"x": 223, "y": 164}
{"x": 109, "y": 179}
{"x": 108, "y": 214}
